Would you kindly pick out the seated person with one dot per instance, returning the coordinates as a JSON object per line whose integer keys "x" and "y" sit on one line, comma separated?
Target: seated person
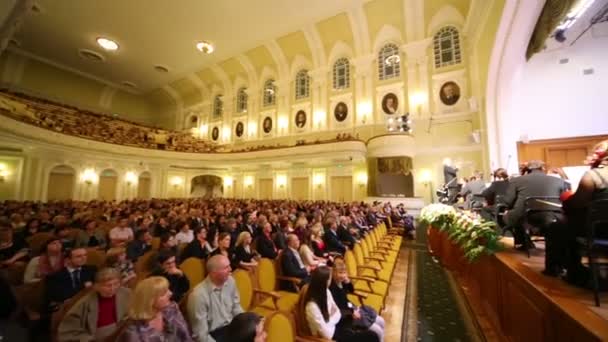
{"x": 153, "y": 316}
{"x": 168, "y": 243}
{"x": 167, "y": 267}
{"x": 117, "y": 257}
{"x": 292, "y": 264}
{"x": 139, "y": 246}
{"x": 592, "y": 186}
{"x": 199, "y": 247}
{"x": 264, "y": 243}
{"x": 184, "y": 234}
{"x": 363, "y": 317}
{"x": 246, "y": 327}
{"x": 96, "y": 316}
{"x": 345, "y": 235}
{"x": 50, "y": 261}
{"x": 214, "y": 302}
{"x": 75, "y": 276}
{"x": 323, "y": 315}
{"x": 244, "y": 256}
{"x": 308, "y": 256}
{"x": 535, "y": 183}
{"x": 64, "y": 233}
{"x": 223, "y": 246}
{"x": 332, "y": 241}
{"x": 496, "y": 190}
{"x": 475, "y": 186}
{"x": 121, "y": 234}
{"x": 12, "y": 250}
{"x": 91, "y": 236}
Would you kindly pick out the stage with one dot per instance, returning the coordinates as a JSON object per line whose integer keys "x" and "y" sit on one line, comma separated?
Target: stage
{"x": 513, "y": 301}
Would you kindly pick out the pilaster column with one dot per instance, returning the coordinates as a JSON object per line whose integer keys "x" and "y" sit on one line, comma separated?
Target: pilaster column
{"x": 363, "y": 88}
{"x": 418, "y": 86}
{"x": 319, "y": 78}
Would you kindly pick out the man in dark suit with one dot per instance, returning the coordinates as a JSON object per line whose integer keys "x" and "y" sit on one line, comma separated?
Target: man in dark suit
{"x": 264, "y": 244}
{"x": 449, "y": 178}
{"x": 344, "y": 232}
{"x": 495, "y": 194}
{"x": 139, "y": 245}
{"x": 332, "y": 241}
{"x": 535, "y": 183}
{"x": 292, "y": 264}
{"x": 75, "y": 276}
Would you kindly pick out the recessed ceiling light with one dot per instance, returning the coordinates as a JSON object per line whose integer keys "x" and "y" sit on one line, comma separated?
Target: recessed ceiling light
{"x": 107, "y": 44}
{"x": 161, "y": 68}
{"x": 91, "y": 55}
{"x": 205, "y": 47}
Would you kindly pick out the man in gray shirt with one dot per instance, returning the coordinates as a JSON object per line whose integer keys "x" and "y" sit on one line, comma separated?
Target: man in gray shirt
{"x": 474, "y": 187}
{"x": 214, "y": 302}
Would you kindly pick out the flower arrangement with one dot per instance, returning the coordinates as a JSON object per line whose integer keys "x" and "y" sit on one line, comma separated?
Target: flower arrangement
{"x": 464, "y": 228}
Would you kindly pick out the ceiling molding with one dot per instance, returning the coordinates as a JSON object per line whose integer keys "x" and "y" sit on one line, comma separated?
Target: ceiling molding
{"x": 413, "y": 13}
{"x": 202, "y": 87}
{"x": 249, "y": 69}
{"x": 315, "y": 44}
{"x": 179, "y": 104}
{"x": 476, "y": 19}
{"x": 360, "y": 30}
{"x": 299, "y": 62}
{"x": 223, "y": 77}
{"x": 64, "y": 67}
{"x": 279, "y": 58}
{"x": 446, "y": 15}
{"x": 339, "y": 50}
{"x": 388, "y": 33}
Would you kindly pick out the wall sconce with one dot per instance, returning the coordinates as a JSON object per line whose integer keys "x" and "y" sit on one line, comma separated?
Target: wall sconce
{"x": 426, "y": 178}
{"x": 362, "y": 179}
{"x": 418, "y": 99}
{"x": 89, "y": 176}
{"x": 176, "y": 181}
{"x": 228, "y": 181}
{"x": 319, "y": 179}
{"x": 131, "y": 178}
{"x": 281, "y": 181}
{"x": 226, "y": 134}
{"x": 364, "y": 108}
{"x": 3, "y": 173}
{"x": 248, "y": 182}
{"x": 283, "y": 123}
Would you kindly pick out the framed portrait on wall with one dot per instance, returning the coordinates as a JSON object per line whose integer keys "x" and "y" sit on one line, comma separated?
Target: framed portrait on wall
{"x": 239, "y": 129}
{"x": 300, "y": 119}
{"x": 390, "y": 103}
{"x": 449, "y": 93}
{"x": 215, "y": 133}
{"x": 267, "y": 125}
{"x": 341, "y": 111}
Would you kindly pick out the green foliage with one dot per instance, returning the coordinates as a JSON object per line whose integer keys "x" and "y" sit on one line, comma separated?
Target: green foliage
{"x": 475, "y": 236}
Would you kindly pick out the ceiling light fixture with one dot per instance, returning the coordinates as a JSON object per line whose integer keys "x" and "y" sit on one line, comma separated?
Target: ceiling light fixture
{"x": 205, "y": 47}
{"x": 107, "y": 44}
{"x": 392, "y": 60}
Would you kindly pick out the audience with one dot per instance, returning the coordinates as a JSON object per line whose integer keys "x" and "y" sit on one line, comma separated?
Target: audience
{"x": 214, "y": 303}
{"x": 117, "y": 258}
{"x": 199, "y": 247}
{"x": 97, "y": 315}
{"x": 244, "y": 256}
{"x": 12, "y": 250}
{"x": 246, "y": 327}
{"x": 121, "y": 234}
{"x": 153, "y": 316}
{"x": 323, "y": 314}
{"x": 91, "y": 236}
{"x": 331, "y": 239}
{"x": 265, "y": 244}
{"x": 140, "y": 246}
{"x": 72, "y": 278}
{"x": 185, "y": 234}
{"x": 364, "y": 317}
{"x": 50, "y": 261}
{"x": 167, "y": 267}
{"x": 292, "y": 264}
{"x": 308, "y": 256}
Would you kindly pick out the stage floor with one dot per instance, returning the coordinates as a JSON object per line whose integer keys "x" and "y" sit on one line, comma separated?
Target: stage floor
{"x": 569, "y": 297}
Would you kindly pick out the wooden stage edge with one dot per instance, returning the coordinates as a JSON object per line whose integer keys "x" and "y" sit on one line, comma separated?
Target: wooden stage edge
{"x": 513, "y": 301}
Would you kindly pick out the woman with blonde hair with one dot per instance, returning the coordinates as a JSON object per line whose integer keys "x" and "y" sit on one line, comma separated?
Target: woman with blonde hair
{"x": 153, "y": 316}
{"x": 244, "y": 256}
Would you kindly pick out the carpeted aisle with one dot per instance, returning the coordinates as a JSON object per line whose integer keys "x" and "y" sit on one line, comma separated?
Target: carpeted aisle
{"x": 432, "y": 311}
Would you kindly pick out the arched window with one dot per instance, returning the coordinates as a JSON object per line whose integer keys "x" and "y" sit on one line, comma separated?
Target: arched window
{"x": 218, "y": 106}
{"x": 389, "y": 62}
{"x": 302, "y": 84}
{"x": 269, "y": 93}
{"x": 342, "y": 74}
{"x": 241, "y": 100}
{"x": 446, "y": 46}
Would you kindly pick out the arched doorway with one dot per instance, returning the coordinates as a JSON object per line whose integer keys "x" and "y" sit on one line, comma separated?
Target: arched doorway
{"x": 207, "y": 186}
{"x": 108, "y": 179}
{"x": 61, "y": 183}
{"x": 143, "y": 185}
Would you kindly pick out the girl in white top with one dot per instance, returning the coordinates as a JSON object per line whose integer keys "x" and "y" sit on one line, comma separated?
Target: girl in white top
{"x": 323, "y": 315}
{"x": 185, "y": 234}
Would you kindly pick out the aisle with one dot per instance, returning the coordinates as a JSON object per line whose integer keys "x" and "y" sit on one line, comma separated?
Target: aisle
{"x": 432, "y": 311}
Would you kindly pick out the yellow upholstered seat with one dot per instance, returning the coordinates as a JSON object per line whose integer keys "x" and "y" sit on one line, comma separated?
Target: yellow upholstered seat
{"x": 267, "y": 281}
{"x": 374, "y": 267}
{"x": 279, "y": 327}
{"x": 194, "y": 269}
{"x": 364, "y": 284}
{"x": 248, "y": 294}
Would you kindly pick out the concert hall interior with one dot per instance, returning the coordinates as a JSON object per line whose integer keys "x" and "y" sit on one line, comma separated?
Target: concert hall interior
{"x": 281, "y": 170}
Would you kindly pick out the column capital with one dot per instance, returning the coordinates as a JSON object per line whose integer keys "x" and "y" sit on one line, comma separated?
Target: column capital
{"x": 418, "y": 49}
{"x": 364, "y": 64}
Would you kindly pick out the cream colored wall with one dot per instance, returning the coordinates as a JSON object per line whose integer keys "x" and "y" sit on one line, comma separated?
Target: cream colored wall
{"x": 11, "y": 168}
{"x": 60, "y": 186}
